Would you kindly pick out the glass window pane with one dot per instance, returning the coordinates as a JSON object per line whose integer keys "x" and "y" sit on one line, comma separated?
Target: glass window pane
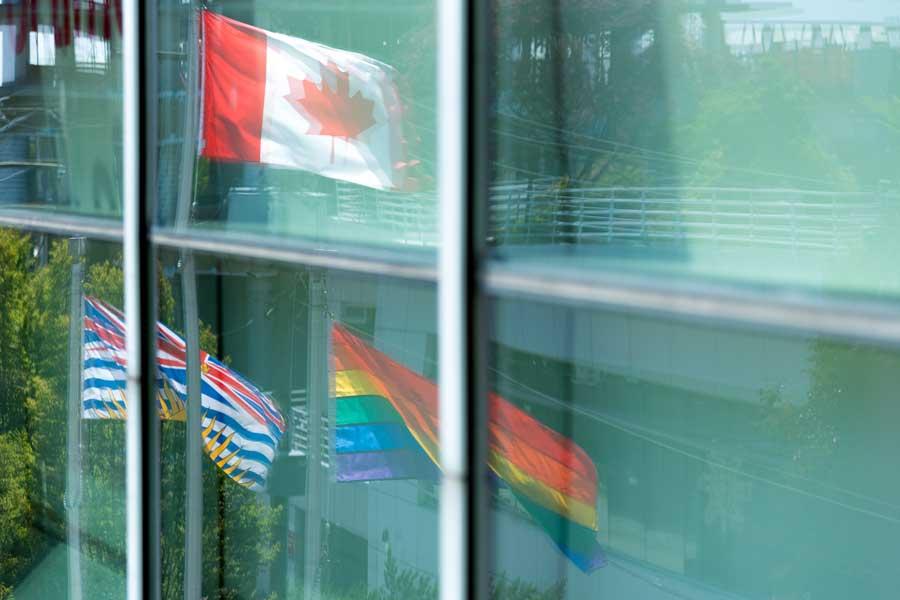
{"x": 61, "y": 106}
{"x": 688, "y": 461}
{"x": 314, "y": 121}
{"x": 62, "y": 458}
{"x": 722, "y": 141}
{"x": 318, "y": 431}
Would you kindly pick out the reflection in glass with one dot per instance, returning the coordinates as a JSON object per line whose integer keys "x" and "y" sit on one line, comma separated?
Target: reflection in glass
{"x": 349, "y": 506}
{"x": 60, "y": 106}
{"x": 387, "y": 418}
{"x": 296, "y": 107}
{"x": 62, "y": 477}
{"x": 240, "y": 427}
{"x": 720, "y": 140}
{"x": 349, "y": 509}
{"x": 313, "y": 122}
{"x": 730, "y": 463}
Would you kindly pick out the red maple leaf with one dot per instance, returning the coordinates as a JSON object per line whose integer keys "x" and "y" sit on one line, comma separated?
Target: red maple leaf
{"x": 329, "y": 107}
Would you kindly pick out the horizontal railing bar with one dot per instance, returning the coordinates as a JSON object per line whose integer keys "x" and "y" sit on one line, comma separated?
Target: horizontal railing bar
{"x": 542, "y": 218}
{"x": 675, "y": 231}
{"x": 694, "y": 225}
{"x": 537, "y": 200}
{"x": 548, "y": 186}
{"x": 722, "y": 226}
{"x": 733, "y": 239}
{"x": 625, "y": 212}
{"x": 779, "y": 199}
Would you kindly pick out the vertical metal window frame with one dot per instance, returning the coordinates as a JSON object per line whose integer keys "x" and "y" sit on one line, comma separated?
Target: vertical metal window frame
{"x": 454, "y": 563}
{"x": 138, "y": 191}
{"x": 464, "y": 61}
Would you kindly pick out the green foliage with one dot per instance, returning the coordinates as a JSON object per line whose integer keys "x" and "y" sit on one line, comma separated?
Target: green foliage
{"x": 805, "y": 427}
{"x": 34, "y": 350}
{"x": 405, "y": 583}
{"x": 15, "y": 365}
{"x": 239, "y": 522}
{"x": 503, "y": 588}
{"x": 105, "y": 281}
{"x": 18, "y": 541}
{"x": 756, "y": 125}
{"x": 676, "y": 111}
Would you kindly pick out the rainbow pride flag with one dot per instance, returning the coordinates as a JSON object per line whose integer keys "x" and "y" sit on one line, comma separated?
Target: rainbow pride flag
{"x": 387, "y": 428}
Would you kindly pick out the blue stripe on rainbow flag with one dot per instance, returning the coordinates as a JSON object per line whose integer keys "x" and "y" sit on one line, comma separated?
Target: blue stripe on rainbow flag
{"x": 372, "y": 438}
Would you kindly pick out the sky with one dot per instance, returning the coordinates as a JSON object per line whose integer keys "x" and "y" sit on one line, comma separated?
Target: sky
{"x": 831, "y": 10}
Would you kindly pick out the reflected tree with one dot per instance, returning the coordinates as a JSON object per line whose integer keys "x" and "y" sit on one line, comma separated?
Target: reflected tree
{"x": 34, "y": 338}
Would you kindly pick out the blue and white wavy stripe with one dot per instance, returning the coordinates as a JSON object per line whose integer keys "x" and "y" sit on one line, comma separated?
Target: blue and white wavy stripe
{"x": 243, "y": 445}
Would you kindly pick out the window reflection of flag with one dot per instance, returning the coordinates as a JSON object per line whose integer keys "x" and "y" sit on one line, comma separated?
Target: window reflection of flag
{"x": 387, "y": 428}
{"x": 280, "y": 100}
{"x": 241, "y": 425}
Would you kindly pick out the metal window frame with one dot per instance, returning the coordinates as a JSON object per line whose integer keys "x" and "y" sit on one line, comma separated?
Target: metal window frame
{"x": 138, "y": 195}
{"x": 326, "y": 255}
{"x": 454, "y": 538}
{"x": 737, "y": 306}
{"x": 463, "y": 174}
{"x": 55, "y": 223}
{"x": 464, "y": 276}
{"x": 131, "y": 256}
{"x": 806, "y": 312}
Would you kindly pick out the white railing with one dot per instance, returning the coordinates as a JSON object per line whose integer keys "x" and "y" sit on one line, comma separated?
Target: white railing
{"x": 523, "y": 214}
{"x": 756, "y": 37}
{"x": 298, "y": 440}
{"x": 541, "y": 213}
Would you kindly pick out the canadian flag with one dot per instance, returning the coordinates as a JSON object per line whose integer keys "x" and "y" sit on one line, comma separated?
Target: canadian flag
{"x": 280, "y": 100}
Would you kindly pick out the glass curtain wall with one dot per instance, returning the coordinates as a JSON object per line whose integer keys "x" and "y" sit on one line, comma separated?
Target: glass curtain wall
{"x": 300, "y": 121}
{"x": 62, "y": 488}
{"x": 61, "y": 74}
{"x": 337, "y": 498}
{"x": 714, "y": 142}
{"x": 300, "y": 457}
{"x": 687, "y": 346}
{"x": 62, "y": 467}
{"x": 714, "y": 183}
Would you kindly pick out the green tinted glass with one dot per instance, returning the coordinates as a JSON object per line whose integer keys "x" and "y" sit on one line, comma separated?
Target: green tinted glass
{"x": 62, "y": 465}
{"x": 317, "y": 478}
{"x": 313, "y": 121}
{"x": 715, "y": 462}
{"x": 721, "y": 141}
{"x": 61, "y": 107}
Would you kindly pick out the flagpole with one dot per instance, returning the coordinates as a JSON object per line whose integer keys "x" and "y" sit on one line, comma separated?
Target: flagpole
{"x": 193, "y": 530}
{"x": 317, "y": 395}
{"x": 73, "y": 439}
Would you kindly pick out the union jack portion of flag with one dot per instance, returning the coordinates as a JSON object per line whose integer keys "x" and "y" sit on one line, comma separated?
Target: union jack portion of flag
{"x": 241, "y": 425}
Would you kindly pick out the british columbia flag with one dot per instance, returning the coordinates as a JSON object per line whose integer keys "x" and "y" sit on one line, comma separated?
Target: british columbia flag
{"x": 241, "y": 425}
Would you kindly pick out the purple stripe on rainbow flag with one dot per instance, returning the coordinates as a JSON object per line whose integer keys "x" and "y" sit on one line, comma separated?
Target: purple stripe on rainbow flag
{"x": 373, "y": 466}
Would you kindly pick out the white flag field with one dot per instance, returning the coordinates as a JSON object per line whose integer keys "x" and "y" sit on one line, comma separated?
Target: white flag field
{"x": 280, "y": 100}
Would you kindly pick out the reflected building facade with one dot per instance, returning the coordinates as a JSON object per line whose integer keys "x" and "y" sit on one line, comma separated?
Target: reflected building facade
{"x": 685, "y": 293}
